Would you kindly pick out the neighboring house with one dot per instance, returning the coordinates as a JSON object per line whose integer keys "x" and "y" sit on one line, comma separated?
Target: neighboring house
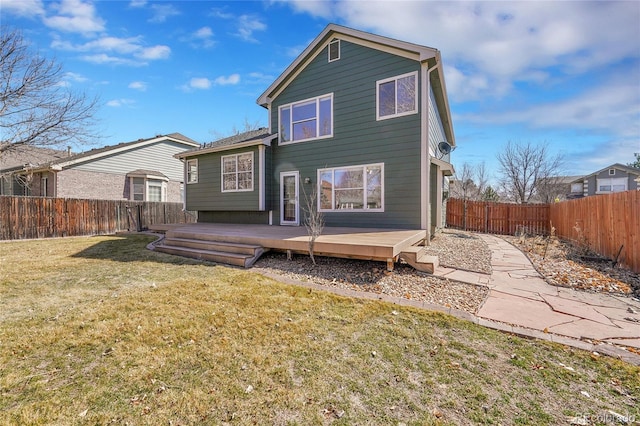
{"x": 615, "y": 178}
{"x": 144, "y": 170}
{"x": 354, "y": 121}
{"x": 556, "y": 188}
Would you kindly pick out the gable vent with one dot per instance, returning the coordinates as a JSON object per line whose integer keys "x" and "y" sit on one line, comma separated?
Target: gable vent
{"x": 334, "y": 50}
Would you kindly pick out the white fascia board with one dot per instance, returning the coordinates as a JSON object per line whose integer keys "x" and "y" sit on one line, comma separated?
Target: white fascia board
{"x": 264, "y": 141}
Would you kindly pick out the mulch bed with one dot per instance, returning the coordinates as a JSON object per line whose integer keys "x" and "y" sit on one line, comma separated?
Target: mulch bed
{"x": 566, "y": 265}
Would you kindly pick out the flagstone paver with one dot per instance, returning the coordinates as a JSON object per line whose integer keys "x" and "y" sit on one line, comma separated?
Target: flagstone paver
{"x": 521, "y": 299}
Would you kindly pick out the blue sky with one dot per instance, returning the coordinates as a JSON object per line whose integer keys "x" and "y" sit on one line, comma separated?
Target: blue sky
{"x": 566, "y": 73}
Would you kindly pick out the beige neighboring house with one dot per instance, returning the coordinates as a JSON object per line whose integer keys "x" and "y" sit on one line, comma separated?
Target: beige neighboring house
{"x": 141, "y": 170}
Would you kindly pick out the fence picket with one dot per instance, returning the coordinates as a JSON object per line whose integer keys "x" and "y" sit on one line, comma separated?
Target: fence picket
{"x": 604, "y": 222}
{"x": 37, "y": 217}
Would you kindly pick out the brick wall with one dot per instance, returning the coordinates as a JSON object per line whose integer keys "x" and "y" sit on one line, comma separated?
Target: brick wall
{"x": 103, "y": 186}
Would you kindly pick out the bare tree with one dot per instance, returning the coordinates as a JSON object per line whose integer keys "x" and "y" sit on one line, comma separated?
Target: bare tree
{"x": 313, "y": 220}
{"x": 525, "y": 168}
{"x": 245, "y": 126}
{"x": 36, "y": 108}
{"x": 471, "y": 183}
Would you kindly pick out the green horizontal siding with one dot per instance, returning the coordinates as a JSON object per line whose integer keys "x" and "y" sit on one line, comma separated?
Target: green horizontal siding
{"x": 358, "y": 138}
{"x": 206, "y": 194}
{"x": 252, "y": 217}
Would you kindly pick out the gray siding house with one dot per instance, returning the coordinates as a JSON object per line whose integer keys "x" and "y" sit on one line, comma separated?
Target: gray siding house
{"x": 615, "y": 178}
{"x": 359, "y": 122}
{"x": 142, "y": 170}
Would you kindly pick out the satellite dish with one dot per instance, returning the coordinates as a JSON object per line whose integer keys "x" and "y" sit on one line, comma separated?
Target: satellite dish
{"x": 444, "y": 148}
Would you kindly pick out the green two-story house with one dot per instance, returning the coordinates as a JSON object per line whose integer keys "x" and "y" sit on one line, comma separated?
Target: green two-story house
{"x": 359, "y": 122}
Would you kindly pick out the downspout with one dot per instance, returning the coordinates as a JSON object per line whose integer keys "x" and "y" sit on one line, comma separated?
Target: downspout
{"x": 184, "y": 184}
{"x": 425, "y": 163}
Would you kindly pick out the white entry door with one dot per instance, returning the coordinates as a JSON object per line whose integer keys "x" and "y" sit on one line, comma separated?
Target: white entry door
{"x": 289, "y": 198}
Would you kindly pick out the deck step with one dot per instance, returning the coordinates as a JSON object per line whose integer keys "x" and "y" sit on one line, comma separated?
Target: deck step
{"x": 219, "y": 246}
{"x": 237, "y": 254}
{"x": 417, "y": 257}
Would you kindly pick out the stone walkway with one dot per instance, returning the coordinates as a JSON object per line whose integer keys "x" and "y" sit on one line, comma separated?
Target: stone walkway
{"x": 521, "y": 301}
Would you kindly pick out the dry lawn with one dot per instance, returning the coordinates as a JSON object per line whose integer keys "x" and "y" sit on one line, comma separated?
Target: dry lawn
{"x": 101, "y": 331}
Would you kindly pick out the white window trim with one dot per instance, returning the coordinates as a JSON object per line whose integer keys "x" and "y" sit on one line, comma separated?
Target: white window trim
{"x": 612, "y": 172}
{"x": 364, "y": 210}
{"x": 194, "y": 160}
{"x": 396, "y": 78}
{"x": 611, "y": 182}
{"x": 145, "y": 189}
{"x": 329, "y": 50}
{"x": 236, "y": 158}
{"x": 290, "y": 106}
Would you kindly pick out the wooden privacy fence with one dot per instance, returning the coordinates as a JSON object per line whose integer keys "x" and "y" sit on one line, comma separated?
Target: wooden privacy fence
{"x": 498, "y": 218}
{"x": 37, "y": 217}
{"x": 607, "y": 224}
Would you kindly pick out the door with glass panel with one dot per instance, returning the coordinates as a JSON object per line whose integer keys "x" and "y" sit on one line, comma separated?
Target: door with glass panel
{"x": 289, "y": 198}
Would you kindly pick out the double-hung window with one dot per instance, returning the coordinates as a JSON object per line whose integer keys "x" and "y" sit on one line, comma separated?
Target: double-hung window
{"x": 237, "y": 172}
{"x": 351, "y": 188}
{"x": 145, "y": 188}
{"x": 397, "y": 96}
{"x": 192, "y": 171}
{"x": 306, "y": 120}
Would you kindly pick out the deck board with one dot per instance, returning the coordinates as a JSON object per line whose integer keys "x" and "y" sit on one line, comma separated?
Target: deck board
{"x": 365, "y": 243}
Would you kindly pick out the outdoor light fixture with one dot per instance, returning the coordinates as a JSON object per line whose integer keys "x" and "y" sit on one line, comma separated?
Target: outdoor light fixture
{"x": 307, "y": 180}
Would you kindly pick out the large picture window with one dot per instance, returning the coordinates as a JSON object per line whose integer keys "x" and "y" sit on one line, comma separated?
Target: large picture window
{"x": 397, "y": 96}
{"x": 305, "y": 120}
{"x": 352, "y": 188}
{"x": 237, "y": 172}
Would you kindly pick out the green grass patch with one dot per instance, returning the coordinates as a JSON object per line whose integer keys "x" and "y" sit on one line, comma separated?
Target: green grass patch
{"x": 100, "y": 330}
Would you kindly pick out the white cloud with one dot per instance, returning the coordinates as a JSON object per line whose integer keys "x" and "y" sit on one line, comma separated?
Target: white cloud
{"x": 26, "y": 8}
{"x": 138, "y": 85}
{"x": 500, "y": 43}
{"x": 204, "y": 32}
{"x": 203, "y": 37}
{"x": 75, "y": 16}
{"x": 104, "y": 48}
{"x": 116, "y": 103}
{"x": 137, "y": 3}
{"x": 72, "y": 76}
{"x": 161, "y": 12}
{"x": 202, "y": 83}
{"x": 154, "y": 52}
{"x": 247, "y": 25}
{"x": 103, "y": 58}
{"x": 226, "y": 81}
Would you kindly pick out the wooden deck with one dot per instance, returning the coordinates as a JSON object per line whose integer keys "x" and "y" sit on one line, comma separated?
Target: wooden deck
{"x": 387, "y": 245}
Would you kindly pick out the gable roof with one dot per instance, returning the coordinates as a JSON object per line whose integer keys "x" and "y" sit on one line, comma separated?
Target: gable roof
{"x": 260, "y": 136}
{"x": 58, "y": 163}
{"x": 124, "y": 146}
{"x": 331, "y": 31}
{"x": 627, "y": 169}
{"x": 25, "y": 155}
{"x": 423, "y": 54}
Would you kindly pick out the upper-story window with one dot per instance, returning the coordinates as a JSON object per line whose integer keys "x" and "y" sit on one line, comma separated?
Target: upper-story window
{"x": 334, "y": 50}
{"x": 192, "y": 171}
{"x": 397, "y": 96}
{"x": 237, "y": 172}
{"x": 305, "y": 120}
